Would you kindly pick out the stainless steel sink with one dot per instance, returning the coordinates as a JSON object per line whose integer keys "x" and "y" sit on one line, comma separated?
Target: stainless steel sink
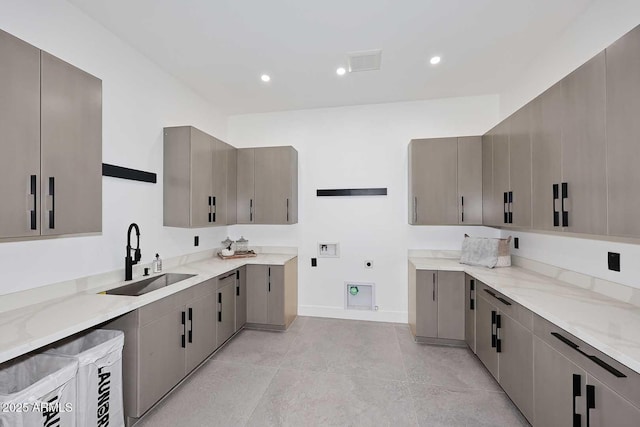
{"x": 149, "y": 285}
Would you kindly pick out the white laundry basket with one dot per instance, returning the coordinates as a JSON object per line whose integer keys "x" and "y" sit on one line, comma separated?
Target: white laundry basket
{"x": 38, "y": 391}
{"x": 99, "y": 378}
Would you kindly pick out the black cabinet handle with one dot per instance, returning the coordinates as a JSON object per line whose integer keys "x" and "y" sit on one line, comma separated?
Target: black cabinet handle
{"x": 577, "y": 387}
{"x": 52, "y": 193}
{"x": 591, "y": 401}
{"x": 250, "y": 210}
{"x": 210, "y": 203}
{"x": 502, "y": 300}
{"x": 472, "y": 291}
{"x": 565, "y": 213}
{"x": 213, "y": 209}
{"x": 287, "y": 209}
{"x": 219, "y": 306}
{"x": 494, "y": 335}
{"x": 498, "y": 340}
{"x": 415, "y": 209}
{"x": 433, "y": 292}
{"x": 556, "y": 197}
{"x": 190, "y": 324}
{"x": 32, "y": 212}
{"x": 462, "y": 208}
{"x": 269, "y": 279}
{"x": 505, "y": 207}
{"x": 237, "y": 282}
{"x": 604, "y": 365}
{"x": 510, "y": 207}
{"x": 184, "y": 329}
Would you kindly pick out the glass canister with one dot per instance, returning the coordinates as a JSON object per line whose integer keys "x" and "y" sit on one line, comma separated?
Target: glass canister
{"x": 242, "y": 245}
{"x": 226, "y": 244}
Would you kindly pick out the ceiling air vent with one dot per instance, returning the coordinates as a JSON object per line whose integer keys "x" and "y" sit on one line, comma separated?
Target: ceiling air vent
{"x": 368, "y": 60}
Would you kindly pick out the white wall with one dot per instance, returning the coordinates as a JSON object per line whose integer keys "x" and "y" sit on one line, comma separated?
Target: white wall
{"x": 599, "y": 26}
{"x": 139, "y": 99}
{"x": 354, "y": 147}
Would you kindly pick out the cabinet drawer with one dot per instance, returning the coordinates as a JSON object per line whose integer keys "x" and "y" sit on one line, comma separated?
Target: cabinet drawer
{"x": 507, "y": 306}
{"x": 618, "y": 377}
{"x": 225, "y": 279}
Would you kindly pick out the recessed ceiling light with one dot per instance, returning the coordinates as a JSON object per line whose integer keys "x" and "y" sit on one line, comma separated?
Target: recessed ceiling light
{"x": 340, "y": 71}
{"x": 265, "y": 78}
{"x": 435, "y": 60}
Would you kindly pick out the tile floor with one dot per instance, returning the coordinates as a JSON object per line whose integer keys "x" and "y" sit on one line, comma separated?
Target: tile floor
{"x": 329, "y": 372}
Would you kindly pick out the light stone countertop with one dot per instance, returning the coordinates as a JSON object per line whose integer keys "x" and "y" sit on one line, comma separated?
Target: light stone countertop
{"x": 609, "y": 325}
{"x": 30, "y": 327}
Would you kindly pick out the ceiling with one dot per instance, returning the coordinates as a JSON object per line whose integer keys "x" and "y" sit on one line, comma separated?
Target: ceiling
{"x": 220, "y": 48}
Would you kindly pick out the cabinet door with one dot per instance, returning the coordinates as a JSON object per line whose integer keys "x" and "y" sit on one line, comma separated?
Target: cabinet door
{"x": 516, "y": 364}
{"x": 485, "y": 328}
{"x": 609, "y": 408}
{"x": 245, "y": 201}
{"x": 226, "y": 321}
{"x": 583, "y": 147}
{"x": 470, "y": 312}
{"x": 450, "y": 296}
{"x": 272, "y": 185}
{"x": 554, "y": 389}
{"x": 219, "y": 186}
{"x": 501, "y": 171}
{"x": 257, "y": 289}
{"x": 232, "y": 185}
{"x": 426, "y": 304}
{"x": 20, "y": 142}
{"x": 161, "y": 358}
{"x": 546, "y": 152}
{"x": 623, "y": 134}
{"x": 201, "y": 178}
{"x": 201, "y": 335}
{"x": 71, "y": 144}
{"x": 241, "y": 298}
{"x": 433, "y": 177}
{"x": 470, "y": 179}
{"x": 275, "y": 295}
{"x": 489, "y": 212}
{"x": 520, "y": 167}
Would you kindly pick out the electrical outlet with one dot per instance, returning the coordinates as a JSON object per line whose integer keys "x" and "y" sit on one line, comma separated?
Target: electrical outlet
{"x": 614, "y": 261}
{"x": 314, "y": 262}
{"x": 368, "y": 264}
{"x": 196, "y": 240}
{"x": 516, "y": 243}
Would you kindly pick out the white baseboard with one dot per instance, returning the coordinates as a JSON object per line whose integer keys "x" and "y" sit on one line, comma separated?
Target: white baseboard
{"x": 341, "y": 313}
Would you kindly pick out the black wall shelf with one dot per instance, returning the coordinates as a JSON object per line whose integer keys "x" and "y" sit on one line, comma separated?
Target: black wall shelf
{"x": 352, "y": 192}
{"x": 126, "y": 173}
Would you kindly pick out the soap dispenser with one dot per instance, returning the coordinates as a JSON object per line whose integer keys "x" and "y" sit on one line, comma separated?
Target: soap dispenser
{"x": 157, "y": 264}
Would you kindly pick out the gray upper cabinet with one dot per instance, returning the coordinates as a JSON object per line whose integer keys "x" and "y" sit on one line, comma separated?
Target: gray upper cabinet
{"x": 546, "y": 150}
{"x": 470, "y": 180}
{"x": 20, "y": 142}
{"x": 232, "y": 185}
{"x": 267, "y": 180}
{"x": 584, "y": 149}
{"x": 196, "y": 168}
{"x": 501, "y": 186}
{"x": 445, "y": 181}
{"x": 623, "y": 134}
{"x": 51, "y": 146}
{"x": 490, "y": 211}
{"x": 520, "y": 168}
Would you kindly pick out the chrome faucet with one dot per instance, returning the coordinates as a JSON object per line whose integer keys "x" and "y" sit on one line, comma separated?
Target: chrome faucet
{"x": 128, "y": 261}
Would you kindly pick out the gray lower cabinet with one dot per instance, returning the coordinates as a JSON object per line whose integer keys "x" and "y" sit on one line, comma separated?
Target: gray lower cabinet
{"x": 436, "y": 305}
{"x": 573, "y": 379}
{"x": 445, "y": 181}
{"x": 486, "y": 339}
{"x": 241, "y": 298}
{"x": 164, "y": 341}
{"x": 226, "y": 316}
{"x": 272, "y": 295}
{"x": 267, "y": 179}
{"x": 470, "y": 312}
{"x": 196, "y": 169}
{"x": 51, "y": 148}
{"x": 623, "y": 134}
